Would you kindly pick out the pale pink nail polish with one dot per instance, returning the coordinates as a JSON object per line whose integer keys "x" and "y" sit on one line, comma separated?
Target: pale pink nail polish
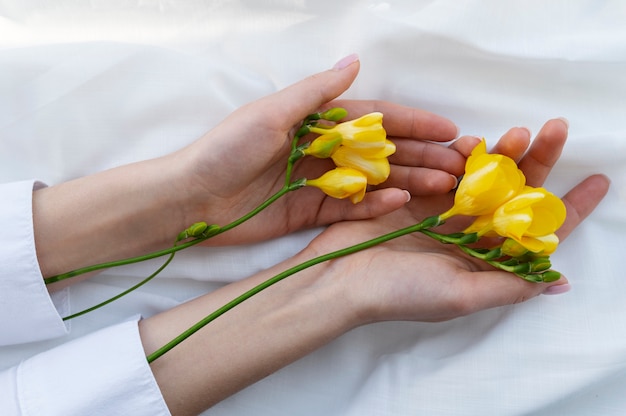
{"x": 346, "y": 62}
{"x": 557, "y": 289}
{"x": 456, "y": 182}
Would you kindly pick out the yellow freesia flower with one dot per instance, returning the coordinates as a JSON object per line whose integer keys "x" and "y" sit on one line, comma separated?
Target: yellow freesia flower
{"x": 342, "y": 182}
{"x": 512, "y": 248}
{"x": 373, "y": 164}
{"x": 489, "y": 181}
{"x": 365, "y": 132}
{"x": 324, "y": 146}
{"x": 530, "y": 218}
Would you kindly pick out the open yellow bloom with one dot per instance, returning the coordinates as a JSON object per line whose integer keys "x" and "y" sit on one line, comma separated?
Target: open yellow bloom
{"x": 489, "y": 181}
{"x": 365, "y": 132}
{"x": 342, "y": 182}
{"x": 373, "y": 164}
{"x": 530, "y": 218}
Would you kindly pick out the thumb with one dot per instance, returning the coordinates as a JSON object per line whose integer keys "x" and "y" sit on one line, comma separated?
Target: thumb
{"x": 491, "y": 289}
{"x": 295, "y": 102}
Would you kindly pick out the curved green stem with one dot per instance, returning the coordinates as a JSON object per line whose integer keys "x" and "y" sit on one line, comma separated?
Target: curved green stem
{"x": 287, "y": 187}
{"x": 124, "y": 293}
{"x": 427, "y": 223}
{"x": 130, "y": 260}
{"x": 173, "y": 249}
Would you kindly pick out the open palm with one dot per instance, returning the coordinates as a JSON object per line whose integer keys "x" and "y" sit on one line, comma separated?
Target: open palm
{"x": 416, "y": 278}
{"x": 241, "y": 163}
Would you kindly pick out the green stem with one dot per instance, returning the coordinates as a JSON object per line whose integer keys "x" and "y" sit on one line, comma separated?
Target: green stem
{"x": 287, "y": 187}
{"x": 173, "y": 249}
{"x": 131, "y": 260}
{"x": 124, "y": 293}
{"x": 427, "y": 223}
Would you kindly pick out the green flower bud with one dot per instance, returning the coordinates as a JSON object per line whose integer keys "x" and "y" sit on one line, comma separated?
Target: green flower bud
{"x": 198, "y": 229}
{"x": 512, "y": 248}
{"x": 540, "y": 264}
{"x": 550, "y": 276}
{"x": 534, "y": 278}
{"x": 334, "y": 114}
{"x": 324, "y": 146}
{"x": 522, "y": 268}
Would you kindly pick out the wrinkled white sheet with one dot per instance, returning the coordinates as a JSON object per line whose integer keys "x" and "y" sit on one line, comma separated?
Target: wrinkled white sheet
{"x": 86, "y": 85}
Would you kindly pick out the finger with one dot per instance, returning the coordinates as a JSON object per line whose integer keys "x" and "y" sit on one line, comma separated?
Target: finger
{"x": 375, "y": 204}
{"x": 428, "y": 155}
{"x": 465, "y": 144}
{"x": 544, "y": 152}
{"x": 513, "y": 143}
{"x": 581, "y": 201}
{"x": 490, "y": 289}
{"x": 421, "y": 181}
{"x": 295, "y": 102}
{"x": 402, "y": 121}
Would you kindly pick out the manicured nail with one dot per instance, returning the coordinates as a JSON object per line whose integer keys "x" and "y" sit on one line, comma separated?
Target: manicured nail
{"x": 557, "y": 289}
{"x": 564, "y": 120}
{"x": 346, "y": 62}
{"x": 408, "y": 195}
{"x": 456, "y": 182}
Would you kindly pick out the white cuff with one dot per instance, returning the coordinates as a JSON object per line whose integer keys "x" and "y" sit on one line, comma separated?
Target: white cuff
{"x": 28, "y": 312}
{"x": 103, "y": 373}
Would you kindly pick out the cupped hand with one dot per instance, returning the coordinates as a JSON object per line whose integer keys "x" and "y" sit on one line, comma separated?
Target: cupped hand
{"x": 416, "y": 278}
{"x": 240, "y": 163}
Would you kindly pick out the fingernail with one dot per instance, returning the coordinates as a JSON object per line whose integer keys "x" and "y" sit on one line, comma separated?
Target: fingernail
{"x": 408, "y": 195}
{"x": 564, "y": 120}
{"x": 557, "y": 289}
{"x": 456, "y": 182}
{"x": 345, "y": 62}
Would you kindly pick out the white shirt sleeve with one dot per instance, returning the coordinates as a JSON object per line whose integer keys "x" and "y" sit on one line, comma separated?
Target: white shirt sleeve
{"x": 28, "y": 312}
{"x": 103, "y": 373}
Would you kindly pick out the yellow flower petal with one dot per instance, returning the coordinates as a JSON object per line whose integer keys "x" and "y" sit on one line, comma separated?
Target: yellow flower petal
{"x": 324, "y": 146}
{"x": 376, "y": 170}
{"x": 489, "y": 181}
{"x": 365, "y": 132}
{"x": 342, "y": 182}
{"x": 530, "y": 218}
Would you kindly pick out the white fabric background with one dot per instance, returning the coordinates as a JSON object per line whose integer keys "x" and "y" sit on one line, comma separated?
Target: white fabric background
{"x": 87, "y": 85}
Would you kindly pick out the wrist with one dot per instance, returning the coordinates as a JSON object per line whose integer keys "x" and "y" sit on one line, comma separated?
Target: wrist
{"x": 329, "y": 283}
{"x": 115, "y": 214}
{"x": 271, "y": 329}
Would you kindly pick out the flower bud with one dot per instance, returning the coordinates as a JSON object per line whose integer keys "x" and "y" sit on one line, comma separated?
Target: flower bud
{"x": 364, "y": 132}
{"x": 550, "y": 276}
{"x": 512, "y": 248}
{"x": 324, "y": 146}
{"x": 540, "y": 264}
{"x": 198, "y": 229}
{"x": 334, "y": 114}
{"x": 341, "y": 183}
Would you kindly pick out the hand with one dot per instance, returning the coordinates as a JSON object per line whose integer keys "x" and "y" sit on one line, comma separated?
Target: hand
{"x": 410, "y": 278}
{"x": 416, "y": 278}
{"x": 229, "y": 172}
{"x": 240, "y": 163}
